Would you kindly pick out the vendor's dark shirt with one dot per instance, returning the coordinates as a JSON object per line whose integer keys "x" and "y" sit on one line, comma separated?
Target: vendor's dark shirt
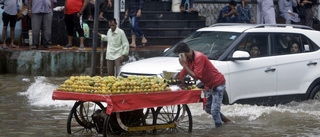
{"x": 204, "y": 70}
{"x": 133, "y": 6}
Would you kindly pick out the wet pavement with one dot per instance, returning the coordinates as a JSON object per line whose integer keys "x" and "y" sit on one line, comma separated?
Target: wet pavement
{"x": 27, "y": 109}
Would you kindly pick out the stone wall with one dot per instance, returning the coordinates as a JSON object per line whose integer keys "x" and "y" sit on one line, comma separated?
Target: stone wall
{"x": 59, "y": 63}
{"x": 212, "y": 10}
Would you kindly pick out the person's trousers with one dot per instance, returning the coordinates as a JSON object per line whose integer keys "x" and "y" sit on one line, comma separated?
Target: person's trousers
{"x": 308, "y": 20}
{"x": 41, "y": 21}
{"x": 110, "y": 66}
{"x": 73, "y": 22}
{"x": 213, "y": 105}
{"x": 229, "y": 20}
{"x": 135, "y": 30}
{"x": 183, "y": 2}
{"x": 103, "y": 5}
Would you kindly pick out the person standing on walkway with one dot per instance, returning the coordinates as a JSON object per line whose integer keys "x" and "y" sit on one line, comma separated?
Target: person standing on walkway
{"x": 134, "y": 8}
{"x": 307, "y": 4}
{"x": 117, "y": 49}
{"x": 198, "y": 66}
{"x": 40, "y": 12}
{"x": 267, "y": 12}
{"x": 9, "y": 15}
{"x": 73, "y": 18}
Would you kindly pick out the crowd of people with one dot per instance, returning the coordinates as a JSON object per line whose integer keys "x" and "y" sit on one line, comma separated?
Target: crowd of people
{"x": 41, "y": 12}
{"x": 293, "y": 11}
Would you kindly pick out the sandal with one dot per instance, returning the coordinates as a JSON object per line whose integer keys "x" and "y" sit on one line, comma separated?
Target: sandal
{"x": 193, "y": 10}
{"x": 34, "y": 47}
{"x": 13, "y": 46}
{"x": 132, "y": 46}
{"x": 5, "y": 47}
{"x": 90, "y": 19}
{"x": 143, "y": 44}
{"x": 103, "y": 19}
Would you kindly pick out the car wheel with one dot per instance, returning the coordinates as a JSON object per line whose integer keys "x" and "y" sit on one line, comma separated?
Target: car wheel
{"x": 315, "y": 94}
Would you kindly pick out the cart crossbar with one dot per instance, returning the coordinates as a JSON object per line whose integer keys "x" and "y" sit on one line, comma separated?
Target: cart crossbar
{"x": 152, "y": 127}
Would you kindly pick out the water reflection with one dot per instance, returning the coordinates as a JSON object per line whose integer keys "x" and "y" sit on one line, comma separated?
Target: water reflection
{"x": 27, "y": 109}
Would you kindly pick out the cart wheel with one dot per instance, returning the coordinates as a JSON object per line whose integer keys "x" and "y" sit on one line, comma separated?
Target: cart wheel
{"x": 179, "y": 114}
{"x": 80, "y": 117}
{"x": 141, "y": 117}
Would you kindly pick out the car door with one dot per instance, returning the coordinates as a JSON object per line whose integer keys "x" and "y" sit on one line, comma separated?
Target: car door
{"x": 253, "y": 81}
{"x": 296, "y": 71}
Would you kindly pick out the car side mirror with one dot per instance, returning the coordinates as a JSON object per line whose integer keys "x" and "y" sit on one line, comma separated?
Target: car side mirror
{"x": 240, "y": 55}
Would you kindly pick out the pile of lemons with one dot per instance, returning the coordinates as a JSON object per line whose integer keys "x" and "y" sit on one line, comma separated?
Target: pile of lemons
{"x": 113, "y": 85}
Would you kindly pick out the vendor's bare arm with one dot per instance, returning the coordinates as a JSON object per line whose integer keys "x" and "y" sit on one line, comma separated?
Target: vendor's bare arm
{"x": 190, "y": 72}
{"x": 185, "y": 66}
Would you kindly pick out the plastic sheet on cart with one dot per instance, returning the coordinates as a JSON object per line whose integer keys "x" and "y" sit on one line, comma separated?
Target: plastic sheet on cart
{"x": 125, "y": 102}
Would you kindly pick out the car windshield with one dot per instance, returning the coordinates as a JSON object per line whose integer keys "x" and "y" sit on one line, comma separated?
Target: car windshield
{"x": 210, "y": 43}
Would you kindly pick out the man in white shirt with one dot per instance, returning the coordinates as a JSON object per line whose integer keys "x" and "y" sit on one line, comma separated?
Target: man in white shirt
{"x": 286, "y": 11}
{"x": 267, "y": 12}
{"x": 117, "y": 49}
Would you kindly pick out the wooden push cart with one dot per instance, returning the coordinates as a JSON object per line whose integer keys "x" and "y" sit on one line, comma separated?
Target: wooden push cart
{"x": 137, "y": 113}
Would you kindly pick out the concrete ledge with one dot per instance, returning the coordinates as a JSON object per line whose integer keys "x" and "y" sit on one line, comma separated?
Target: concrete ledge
{"x": 59, "y": 62}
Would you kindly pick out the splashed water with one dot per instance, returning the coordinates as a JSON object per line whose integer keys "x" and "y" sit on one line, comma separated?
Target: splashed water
{"x": 40, "y": 92}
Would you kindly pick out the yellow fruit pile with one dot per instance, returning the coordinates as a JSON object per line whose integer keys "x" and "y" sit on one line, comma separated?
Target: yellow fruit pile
{"x": 113, "y": 85}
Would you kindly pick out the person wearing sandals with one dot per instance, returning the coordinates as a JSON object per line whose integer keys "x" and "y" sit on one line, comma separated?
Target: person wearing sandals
{"x": 9, "y": 15}
{"x": 103, "y": 5}
{"x": 73, "y": 10}
{"x": 134, "y": 8}
{"x": 40, "y": 12}
{"x": 117, "y": 49}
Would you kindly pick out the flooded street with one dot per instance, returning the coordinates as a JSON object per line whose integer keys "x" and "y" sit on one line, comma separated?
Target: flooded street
{"x": 28, "y": 110}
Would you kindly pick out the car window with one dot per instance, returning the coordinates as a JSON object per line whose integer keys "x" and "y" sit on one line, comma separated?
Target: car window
{"x": 308, "y": 45}
{"x": 210, "y": 43}
{"x": 257, "y": 45}
{"x": 288, "y": 43}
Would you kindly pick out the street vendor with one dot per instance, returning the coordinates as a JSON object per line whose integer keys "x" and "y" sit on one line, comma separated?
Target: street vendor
{"x": 117, "y": 49}
{"x": 198, "y": 66}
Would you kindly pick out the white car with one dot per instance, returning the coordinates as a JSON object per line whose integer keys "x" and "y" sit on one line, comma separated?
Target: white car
{"x": 275, "y": 76}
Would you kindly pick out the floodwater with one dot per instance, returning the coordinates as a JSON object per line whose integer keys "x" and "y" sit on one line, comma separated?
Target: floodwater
{"x": 26, "y": 109}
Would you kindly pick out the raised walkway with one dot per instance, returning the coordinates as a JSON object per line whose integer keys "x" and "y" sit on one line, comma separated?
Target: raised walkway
{"x": 62, "y": 62}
